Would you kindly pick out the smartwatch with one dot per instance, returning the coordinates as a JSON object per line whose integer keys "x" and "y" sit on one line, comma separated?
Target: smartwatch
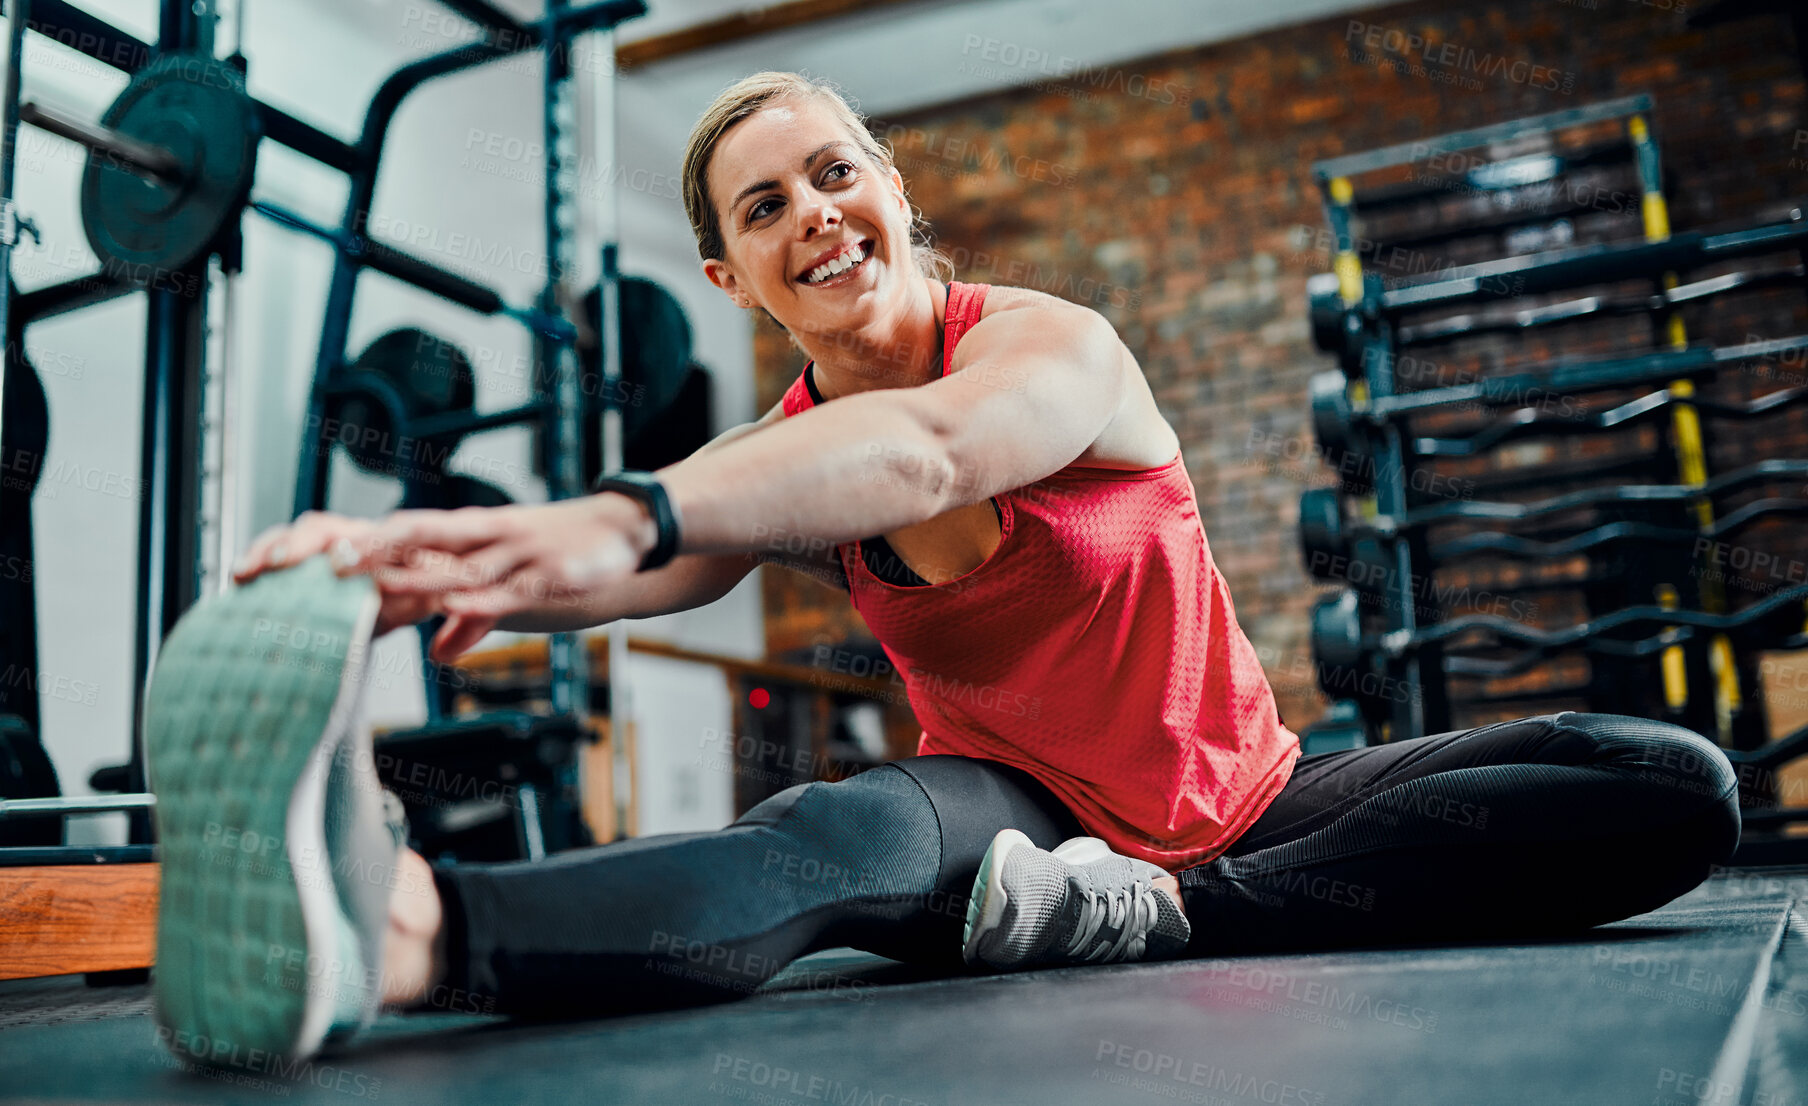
{"x": 646, "y": 488}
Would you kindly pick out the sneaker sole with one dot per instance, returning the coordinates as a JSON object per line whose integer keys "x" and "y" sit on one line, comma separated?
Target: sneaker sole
{"x": 249, "y": 697}
{"x": 986, "y": 905}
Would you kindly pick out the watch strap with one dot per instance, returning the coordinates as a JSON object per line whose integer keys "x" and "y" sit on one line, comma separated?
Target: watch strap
{"x": 646, "y": 488}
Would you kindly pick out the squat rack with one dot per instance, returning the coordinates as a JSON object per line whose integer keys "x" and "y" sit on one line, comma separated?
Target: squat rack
{"x": 169, "y": 561}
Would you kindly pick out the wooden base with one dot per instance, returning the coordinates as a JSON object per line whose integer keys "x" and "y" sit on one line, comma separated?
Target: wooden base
{"x": 64, "y": 919}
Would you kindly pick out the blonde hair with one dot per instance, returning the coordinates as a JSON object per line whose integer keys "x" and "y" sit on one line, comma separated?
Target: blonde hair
{"x": 748, "y": 95}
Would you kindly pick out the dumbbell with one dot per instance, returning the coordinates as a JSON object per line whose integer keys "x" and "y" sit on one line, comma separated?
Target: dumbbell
{"x": 1337, "y": 328}
{"x": 1345, "y": 446}
{"x": 1348, "y": 664}
{"x": 1329, "y": 553}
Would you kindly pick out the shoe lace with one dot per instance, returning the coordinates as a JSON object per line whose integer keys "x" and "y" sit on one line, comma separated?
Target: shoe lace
{"x": 1132, "y": 909}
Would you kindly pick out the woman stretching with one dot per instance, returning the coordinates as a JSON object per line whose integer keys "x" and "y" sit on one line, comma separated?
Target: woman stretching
{"x": 1102, "y": 773}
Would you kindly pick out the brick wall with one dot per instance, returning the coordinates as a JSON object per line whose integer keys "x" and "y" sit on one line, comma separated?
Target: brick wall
{"x": 1175, "y": 196}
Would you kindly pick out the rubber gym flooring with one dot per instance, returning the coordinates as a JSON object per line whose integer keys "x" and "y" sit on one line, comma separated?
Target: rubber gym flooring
{"x": 1704, "y": 1001}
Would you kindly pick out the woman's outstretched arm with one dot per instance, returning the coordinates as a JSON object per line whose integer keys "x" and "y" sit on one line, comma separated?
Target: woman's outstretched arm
{"x": 1030, "y": 391}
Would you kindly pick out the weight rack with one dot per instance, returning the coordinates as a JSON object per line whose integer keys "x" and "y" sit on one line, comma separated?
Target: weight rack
{"x": 1378, "y": 530}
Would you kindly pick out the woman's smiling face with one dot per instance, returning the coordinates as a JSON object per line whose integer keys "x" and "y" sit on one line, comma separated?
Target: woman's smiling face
{"x": 815, "y": 231}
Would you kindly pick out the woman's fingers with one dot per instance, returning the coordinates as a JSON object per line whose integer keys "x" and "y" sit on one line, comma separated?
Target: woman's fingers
{"x": 251, "y": 562}
{"x": 405, "y": 532}
{"x": 458, "y": 636}
{"x": 431, "y": 572}
{"x": 494, "y": 603}
{"x": 397, "y": 611}
{"x": 311, "y": 533}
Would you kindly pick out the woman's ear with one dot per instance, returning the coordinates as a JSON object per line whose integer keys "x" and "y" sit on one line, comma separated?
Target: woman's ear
{"x": 719, "y": 274}
{"x": 897, "y": 187}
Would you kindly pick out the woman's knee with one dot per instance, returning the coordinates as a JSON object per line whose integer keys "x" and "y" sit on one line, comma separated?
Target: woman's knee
{"x": 1684, "y": 770}
{"x": 869, "y": 821}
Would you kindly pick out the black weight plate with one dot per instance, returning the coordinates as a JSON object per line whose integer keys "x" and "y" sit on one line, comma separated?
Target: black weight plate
{"x": 1337, "y": 637}
{"x": 680, "y": 430}
{"x": 428, "y": 376}
{"x": 656, "y": 352}
{"x": 23, "y": 440}
{"x": 26, "y": 773}
{"x": 1331, "y": 414}
{"x": 433, "y": 375}
{"x": 26, "y": 433}
{"x": 1325, "y": 308}
{"x": 198, "y": 108}
{"x": 463, "y": 491}
{"x": 1321, "y": 532}
{"x": 1371, "y": 567}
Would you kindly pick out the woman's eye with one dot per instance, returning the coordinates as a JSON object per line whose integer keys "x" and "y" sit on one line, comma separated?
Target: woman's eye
{"x": 758, "y": 211}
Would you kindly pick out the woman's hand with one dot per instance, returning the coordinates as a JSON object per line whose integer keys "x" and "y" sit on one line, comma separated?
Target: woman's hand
{"x": 483, "y": 564}
{"x": 315, "y": 532}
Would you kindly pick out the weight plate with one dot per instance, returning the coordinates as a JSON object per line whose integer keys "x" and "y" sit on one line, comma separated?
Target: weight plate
{"x": 1337, "y": 639}
{"x": 1324, "y": 305}
{"x": 1331, "y": 414}
{"x": 409, "y": 374}
{"x": 1321, "y": 532}
{"x": 26, "y": 433}
{"x": 26, "y": 773}
{"x": 1371, "y": 567}
{"x": 1341, "y": 443}
{"x": 142, "y": 229}
{"x": 463, "y": 491}
{"x": 656, "y": 352}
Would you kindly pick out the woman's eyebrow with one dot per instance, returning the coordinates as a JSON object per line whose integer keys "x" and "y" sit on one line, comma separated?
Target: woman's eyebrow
{"x": 761, "y": 186}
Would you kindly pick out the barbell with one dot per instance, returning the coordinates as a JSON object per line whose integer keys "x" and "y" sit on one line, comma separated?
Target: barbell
{"x": 171, "y": 164}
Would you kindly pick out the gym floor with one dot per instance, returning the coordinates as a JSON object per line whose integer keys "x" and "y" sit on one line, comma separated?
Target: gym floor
{"x": 1702, "y": 1001}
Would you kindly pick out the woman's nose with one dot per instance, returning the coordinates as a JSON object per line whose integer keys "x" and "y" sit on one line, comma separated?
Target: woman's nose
{"x": 816, "y": 214}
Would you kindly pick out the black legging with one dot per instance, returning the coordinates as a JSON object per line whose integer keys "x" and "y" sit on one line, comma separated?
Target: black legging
{"x": 1528, "y": 828}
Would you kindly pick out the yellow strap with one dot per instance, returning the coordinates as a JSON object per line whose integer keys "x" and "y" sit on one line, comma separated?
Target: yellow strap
{"x": 1676, "y": 678}
{"x": 1657, "y": 217}
{"x": 1348, "y": 268}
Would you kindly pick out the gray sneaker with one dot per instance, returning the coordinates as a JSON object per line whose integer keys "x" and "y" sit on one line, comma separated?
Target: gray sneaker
{"x": 1080, "y": 904}
{"x": 278, "y": 844}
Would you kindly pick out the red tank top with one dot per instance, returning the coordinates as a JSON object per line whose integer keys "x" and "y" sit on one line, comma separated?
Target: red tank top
{"x": 1096, "y": 649}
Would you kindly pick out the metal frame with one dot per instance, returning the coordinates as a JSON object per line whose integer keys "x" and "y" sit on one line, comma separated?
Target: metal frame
{"x": 169, "y": 562}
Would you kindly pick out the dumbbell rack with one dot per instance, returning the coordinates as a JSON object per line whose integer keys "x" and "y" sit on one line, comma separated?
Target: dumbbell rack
{"x": 1657, "y": 629}
{"x": 176, "y": 433}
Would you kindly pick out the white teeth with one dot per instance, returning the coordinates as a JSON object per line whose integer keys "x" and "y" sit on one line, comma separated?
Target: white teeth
{"x": 838, "y": 265}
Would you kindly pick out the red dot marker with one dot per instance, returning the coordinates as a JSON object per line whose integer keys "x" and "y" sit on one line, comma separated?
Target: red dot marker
{"x": 759, "y": 698}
